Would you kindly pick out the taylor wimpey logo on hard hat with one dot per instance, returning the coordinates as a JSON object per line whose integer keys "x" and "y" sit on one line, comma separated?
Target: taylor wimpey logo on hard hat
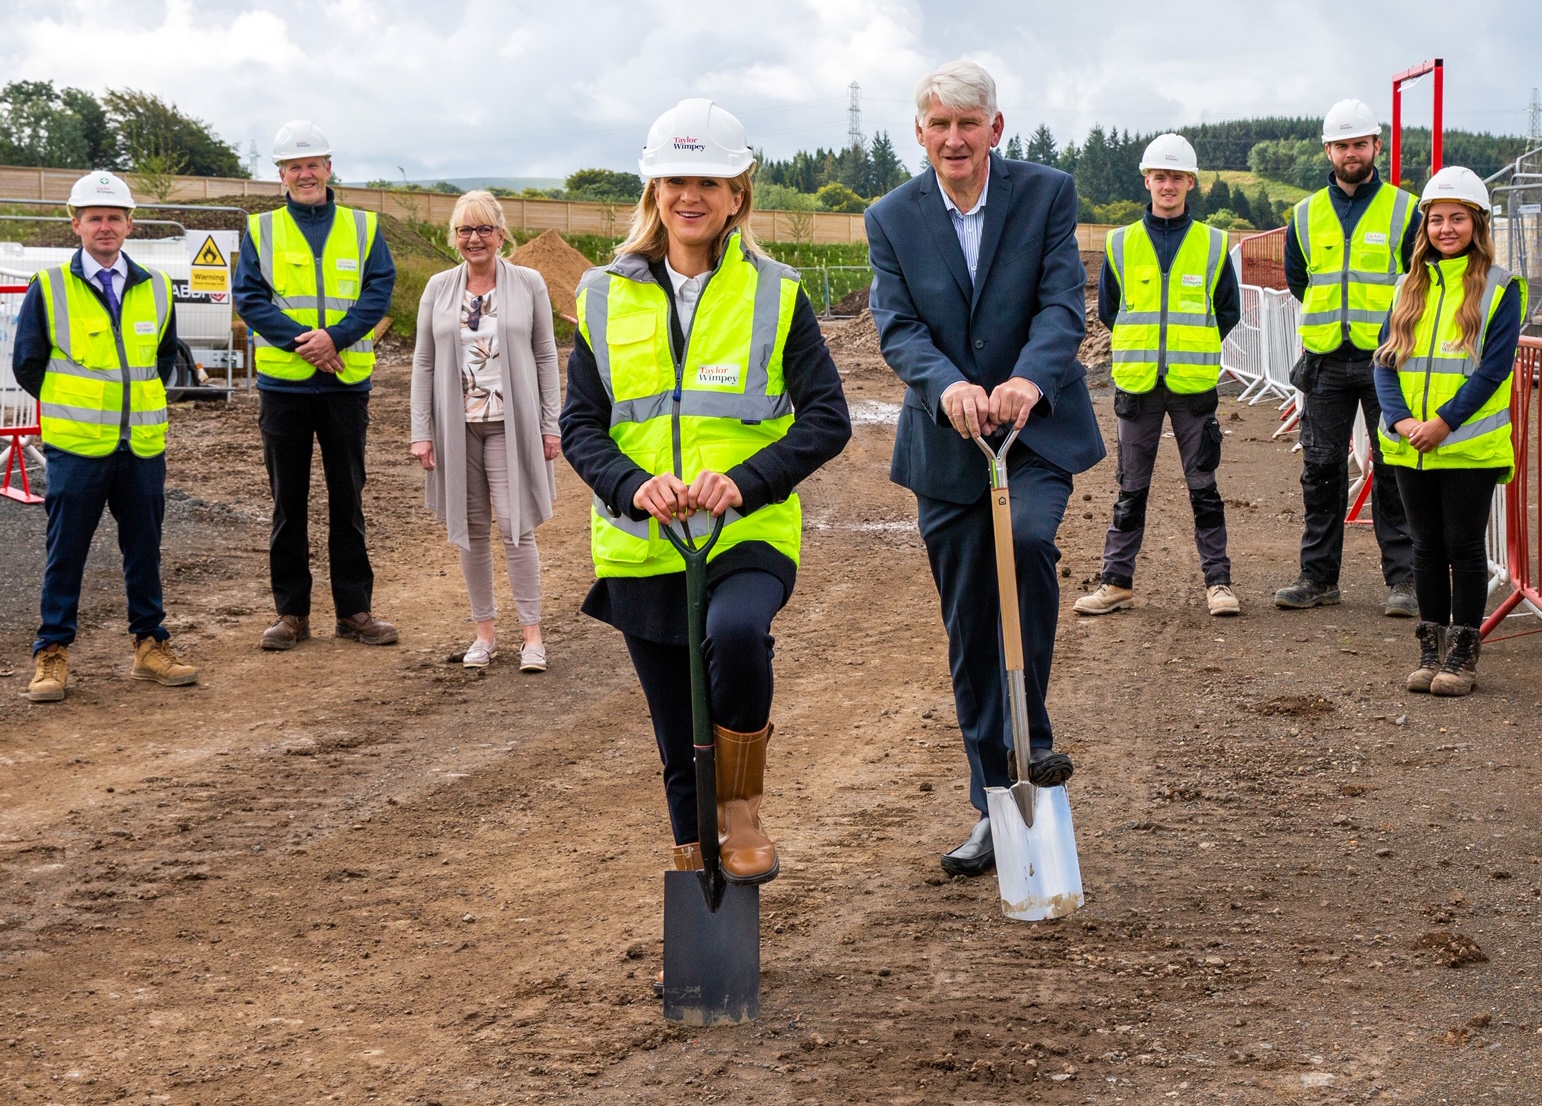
{"x": 686, "y": 142}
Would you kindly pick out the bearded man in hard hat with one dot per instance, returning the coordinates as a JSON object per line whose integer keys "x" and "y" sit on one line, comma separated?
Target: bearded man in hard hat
{"x": 1170, "y": 298}
{"x": 96, "y": 341}
{"x": 980, "y": 298}
{"x": 312, "y": 282}
{"x": 1345, "y": 247}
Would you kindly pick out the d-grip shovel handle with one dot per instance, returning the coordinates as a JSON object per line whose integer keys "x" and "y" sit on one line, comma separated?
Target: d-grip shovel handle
{"x": 701, "y": 711}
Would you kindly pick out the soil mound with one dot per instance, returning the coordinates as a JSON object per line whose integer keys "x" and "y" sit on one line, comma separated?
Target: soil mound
{"x": 560, "y": 265}
{"x": 853, "y": 302}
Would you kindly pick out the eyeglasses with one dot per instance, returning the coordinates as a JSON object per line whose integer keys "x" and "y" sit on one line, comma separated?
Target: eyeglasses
{"x": 483, "y": 231}
{"x": 474, "y": 316}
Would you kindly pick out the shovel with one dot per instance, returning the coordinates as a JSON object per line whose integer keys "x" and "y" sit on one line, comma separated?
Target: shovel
{"x": 711, "y": 926}
{"x": 1036, "y": 865}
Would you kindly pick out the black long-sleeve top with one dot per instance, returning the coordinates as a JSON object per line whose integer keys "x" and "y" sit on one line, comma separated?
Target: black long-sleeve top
{"x": 1166, "y": 237}
{"x": 653, "y": 607}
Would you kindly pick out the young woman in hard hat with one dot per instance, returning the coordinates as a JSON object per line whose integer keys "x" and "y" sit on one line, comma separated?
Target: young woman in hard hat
{"x": 699, "y": 385}
{"x": 1443, "y": 373}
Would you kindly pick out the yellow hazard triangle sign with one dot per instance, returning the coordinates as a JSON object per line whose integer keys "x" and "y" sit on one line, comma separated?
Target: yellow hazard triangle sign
{"x": 209, "y": 254}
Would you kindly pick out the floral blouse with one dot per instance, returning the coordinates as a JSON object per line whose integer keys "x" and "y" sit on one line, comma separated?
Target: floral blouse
{"x": 481, "y": 376}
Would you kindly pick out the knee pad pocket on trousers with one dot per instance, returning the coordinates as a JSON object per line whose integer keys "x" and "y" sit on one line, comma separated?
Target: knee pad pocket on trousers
{"x": 1130, "y": 510}
{"x": 1209, "y": 507}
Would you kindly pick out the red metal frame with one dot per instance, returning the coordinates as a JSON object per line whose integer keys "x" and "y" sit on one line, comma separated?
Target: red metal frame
{"x": 17, "y": 460}
{"x": 1263, "y": 259}
{"x": 1438, "y": 67}
{"x": 1525, "y": 558}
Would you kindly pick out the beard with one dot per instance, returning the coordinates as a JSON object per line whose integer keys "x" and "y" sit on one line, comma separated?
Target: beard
{"x": 1358, "y": 175}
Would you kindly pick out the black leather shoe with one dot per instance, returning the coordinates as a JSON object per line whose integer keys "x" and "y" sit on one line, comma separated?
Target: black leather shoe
{"x": 975, "y": 856}
{"x": 1047, "y": 768}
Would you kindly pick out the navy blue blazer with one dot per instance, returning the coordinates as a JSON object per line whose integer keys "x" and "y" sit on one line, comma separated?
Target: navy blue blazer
{"x": 1024, "y": 315}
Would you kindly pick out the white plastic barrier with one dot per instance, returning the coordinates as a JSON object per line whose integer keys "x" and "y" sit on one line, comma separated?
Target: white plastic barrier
{"x": 1262, "y": 347}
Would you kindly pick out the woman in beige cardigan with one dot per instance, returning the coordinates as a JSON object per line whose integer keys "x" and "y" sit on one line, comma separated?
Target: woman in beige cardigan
{"x": 485, "y": 397}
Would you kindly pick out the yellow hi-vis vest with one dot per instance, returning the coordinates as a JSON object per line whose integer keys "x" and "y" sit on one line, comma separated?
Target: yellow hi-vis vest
{"x": 1438, "y": 367}
{"x": 725, "y": 401}
{"x": 1350, "y": 278}
{"x": 102, "y": 387}
{"x": 1166, "y": 325}
{"x": 316, "y": 292}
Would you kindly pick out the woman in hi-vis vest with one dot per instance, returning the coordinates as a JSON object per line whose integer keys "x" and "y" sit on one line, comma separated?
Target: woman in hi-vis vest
{"x": 1443, "y": 374}
{"x": 699, "y": 385}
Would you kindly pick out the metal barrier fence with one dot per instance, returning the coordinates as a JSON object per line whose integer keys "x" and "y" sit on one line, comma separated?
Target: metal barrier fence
{"x": 1262, "y": 347}
{"x": 1518, "y": 217}
{"x": 1515, "y": 547}
{"x": 18, "y": 410}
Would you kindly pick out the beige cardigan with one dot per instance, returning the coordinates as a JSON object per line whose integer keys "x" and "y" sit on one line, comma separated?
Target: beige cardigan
{"x": 527, "y": 354}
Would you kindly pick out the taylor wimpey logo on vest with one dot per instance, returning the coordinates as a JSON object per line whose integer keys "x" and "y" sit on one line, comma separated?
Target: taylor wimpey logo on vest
{"x": 719, "y": 376}
{"x": 686, "y": 142}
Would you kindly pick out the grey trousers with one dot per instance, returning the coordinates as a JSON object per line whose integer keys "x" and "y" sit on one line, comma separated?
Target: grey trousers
{"x": 487, "y": 482}
{"x": 1138, "y": 440}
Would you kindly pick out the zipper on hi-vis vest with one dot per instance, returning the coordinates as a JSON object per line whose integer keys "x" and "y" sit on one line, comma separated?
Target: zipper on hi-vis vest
{"x": 117, "y": 335}
{"x": 685, "y": 353}
{"x": 321, "y": 301}
{"x": 1344, "y": 285}
{"x": 1162, "y": 325}
{"x": 1429, "y": 358}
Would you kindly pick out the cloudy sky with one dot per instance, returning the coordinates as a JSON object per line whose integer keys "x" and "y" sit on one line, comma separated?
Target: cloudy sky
{"x": 522, "y": 88}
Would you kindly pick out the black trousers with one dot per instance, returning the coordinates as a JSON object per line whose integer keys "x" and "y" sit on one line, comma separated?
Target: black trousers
{"x": 1327, "y": 424}
{"x": 739, "y": 649}
{"x": 290, "y": 425}
{"x": 1448, "y": 513}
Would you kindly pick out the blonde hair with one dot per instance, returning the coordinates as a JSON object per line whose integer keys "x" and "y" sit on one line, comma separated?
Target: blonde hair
{"x": 648, "y": 236}
{"x": 1411, "y": 298}
{"x": 959, "y": 86}
{"x": 484, "y": 207}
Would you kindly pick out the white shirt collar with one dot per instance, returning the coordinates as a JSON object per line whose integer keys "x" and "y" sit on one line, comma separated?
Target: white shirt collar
{"x": 953, "y": 207}
{"x": 680, "y": 280}
{"x": 89, "y": 268}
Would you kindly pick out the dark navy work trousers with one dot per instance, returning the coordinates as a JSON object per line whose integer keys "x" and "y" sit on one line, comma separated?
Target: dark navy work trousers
{"x": 739, "y": 648}
{"x": 133, "y": 488}
{"x": 961, "y": 545}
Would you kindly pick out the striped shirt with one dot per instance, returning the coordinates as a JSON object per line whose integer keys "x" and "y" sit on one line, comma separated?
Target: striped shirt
{"x": 968, "y": 225}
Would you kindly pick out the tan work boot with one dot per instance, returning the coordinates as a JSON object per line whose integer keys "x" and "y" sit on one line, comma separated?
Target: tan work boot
{"x": 287, "y": 632}
{"x": 1222, "y": 601}
{"x": 747, "y": 854}
{"x": 1432, "y": 639}
{"x": 1108, "y": 597}
{"x": 1459, "y": 674}
{"x": 367, "y": 628}
{"x": 686, "y": 858}
{"x": 155, "y": 660}
{"x": 53, "y": 672}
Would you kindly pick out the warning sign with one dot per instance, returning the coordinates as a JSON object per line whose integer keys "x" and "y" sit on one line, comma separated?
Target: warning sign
{"x": 204, "y": 279}
{"x": 209, "y": 254}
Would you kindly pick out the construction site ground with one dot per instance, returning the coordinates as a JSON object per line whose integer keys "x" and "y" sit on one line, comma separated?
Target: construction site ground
{"x": 347, "y": 874}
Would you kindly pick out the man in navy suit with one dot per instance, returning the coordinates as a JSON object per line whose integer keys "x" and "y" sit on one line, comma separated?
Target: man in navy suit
{"x": 978, "y": 293}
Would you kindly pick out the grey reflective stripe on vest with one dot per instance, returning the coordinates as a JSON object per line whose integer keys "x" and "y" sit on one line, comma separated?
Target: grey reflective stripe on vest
{"x": 66, "y": 367}
{"x": 308, "y": 303}
{"x": 1315, "y": 318}
{"x": 53, "y": 288}
{"x": 768, "y": 309}
{"x": 160, "y": 285}
{"x": 699, "y": 524}
{"x": 702, "y": 404}
{"x": 1116, "y": 252}
{"x": 1174, "y": 357}
{"x": 361, "y": 236}
{"x": 1315, "y": 279}
{"x": 103, "y": 418}
{"x": 1497, "y": 280}
{"x": 1469, "y": 430}
{"x": 364, "y": 345}
{"x": 265, "y": 246}
{"x": 1212, "y": 273}
{"x": 595, "y": 288}
{"x": 1400, "y": 202}
{"x": 1154, "y": 318}
{"x": 1300, "y": 219}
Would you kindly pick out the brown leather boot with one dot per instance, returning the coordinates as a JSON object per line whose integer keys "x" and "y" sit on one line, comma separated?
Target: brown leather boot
{"x": 367, "y": 628}
{"x": 1432, "y": 641}
{"x": 686, "y": 858}
{"x": 1459, "y": 674}
{"x": 748, "y": 856}
{"x": 287, "y": 632}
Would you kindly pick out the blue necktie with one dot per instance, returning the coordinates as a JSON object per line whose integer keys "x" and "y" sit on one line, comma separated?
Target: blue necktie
{"x": 105, "y": 276}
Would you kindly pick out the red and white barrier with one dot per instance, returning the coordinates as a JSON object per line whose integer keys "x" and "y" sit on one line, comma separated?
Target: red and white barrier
{"x": 18, "y": 411}
{"x": 1515, "y": 547}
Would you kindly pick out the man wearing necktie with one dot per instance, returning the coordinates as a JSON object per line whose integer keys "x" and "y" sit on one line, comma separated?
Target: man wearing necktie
{"x": 96, "y": 342}
{"x": 979, "y": 296}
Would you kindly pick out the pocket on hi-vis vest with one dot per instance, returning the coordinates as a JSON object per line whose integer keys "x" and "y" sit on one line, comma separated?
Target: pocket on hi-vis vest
{"x": 724, "y": 376}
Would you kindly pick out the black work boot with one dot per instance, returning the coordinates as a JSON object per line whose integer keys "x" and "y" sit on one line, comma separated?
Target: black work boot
{"x": 1401, "y": 601}
{"x": 1459, "y": 674}
{"x": 1432, "y": 640}
{"x": 1305, "y": 593}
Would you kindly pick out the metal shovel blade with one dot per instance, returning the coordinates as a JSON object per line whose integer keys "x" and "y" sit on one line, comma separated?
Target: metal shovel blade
{"x": 1036, "y": 865}
{"x": 711, "y": 957}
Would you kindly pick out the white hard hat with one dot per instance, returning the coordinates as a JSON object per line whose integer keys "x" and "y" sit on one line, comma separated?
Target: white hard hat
{"x": 696, "y": 138}
{"x": 1170, "y": 151}
{"x": 1459, "y": 184}
{"x": 101, "y": 189}
{"x": 299, "y": 138}
{"x": 1350, "y": 119}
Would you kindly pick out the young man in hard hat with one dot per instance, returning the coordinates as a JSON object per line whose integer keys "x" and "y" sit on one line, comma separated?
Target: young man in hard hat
{"x": 96, "y": 341}
{"x": 1168, "y": 294}
{"x": 1345, "y": 247}
{"x": 312, "y": 282}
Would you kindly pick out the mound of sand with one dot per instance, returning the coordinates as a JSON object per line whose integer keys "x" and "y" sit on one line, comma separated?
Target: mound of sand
{"x": 560, "y": 265}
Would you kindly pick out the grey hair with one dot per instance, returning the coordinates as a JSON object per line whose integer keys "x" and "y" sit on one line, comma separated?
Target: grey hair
{"x": 959, "y": 85}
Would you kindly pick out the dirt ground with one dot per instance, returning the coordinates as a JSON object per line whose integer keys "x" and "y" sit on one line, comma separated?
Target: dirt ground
{"x": 365, "y": 875}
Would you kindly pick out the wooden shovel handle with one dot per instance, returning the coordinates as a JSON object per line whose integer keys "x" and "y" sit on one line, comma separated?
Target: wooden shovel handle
{"x": 1006, "y": 579}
